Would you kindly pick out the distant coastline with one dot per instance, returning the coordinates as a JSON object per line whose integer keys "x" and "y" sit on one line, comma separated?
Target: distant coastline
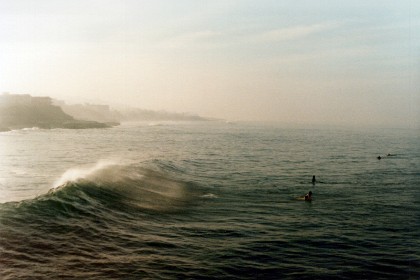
{"x": 18, "y": 111}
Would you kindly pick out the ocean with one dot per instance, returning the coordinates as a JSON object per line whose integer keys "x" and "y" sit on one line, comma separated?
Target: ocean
{"x": 209, "y": 200}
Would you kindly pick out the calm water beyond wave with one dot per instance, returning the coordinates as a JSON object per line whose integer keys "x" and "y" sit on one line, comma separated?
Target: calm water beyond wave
{"x": 209, "y": 201}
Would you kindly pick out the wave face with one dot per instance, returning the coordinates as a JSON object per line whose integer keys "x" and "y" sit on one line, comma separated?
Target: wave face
{"x": 116, "y": 184}
{"x": 92, "y": 218}
{"x": 188, "y": 201}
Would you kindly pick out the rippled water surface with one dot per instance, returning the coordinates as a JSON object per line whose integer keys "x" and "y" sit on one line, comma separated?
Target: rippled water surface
{"x": 209, "y": 201}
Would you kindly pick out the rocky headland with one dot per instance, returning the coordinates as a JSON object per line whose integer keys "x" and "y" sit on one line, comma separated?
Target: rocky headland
{"x": 19, "y": 111}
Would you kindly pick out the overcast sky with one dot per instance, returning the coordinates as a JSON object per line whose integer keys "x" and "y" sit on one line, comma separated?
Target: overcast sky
{"x": 324, "y": 62}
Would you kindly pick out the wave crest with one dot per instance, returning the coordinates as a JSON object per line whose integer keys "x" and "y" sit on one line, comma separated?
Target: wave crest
{"x": 116, "y": 185}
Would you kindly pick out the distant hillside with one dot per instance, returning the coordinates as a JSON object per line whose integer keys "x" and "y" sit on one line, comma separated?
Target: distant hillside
{"x": 91, "y": 112}
{"x": 135, "y": 114}
{"x": 23, "y": 110}
{"x": 103, "y": 113}
{"x": 20, "y": 111}
{"x": 30, "y": 115}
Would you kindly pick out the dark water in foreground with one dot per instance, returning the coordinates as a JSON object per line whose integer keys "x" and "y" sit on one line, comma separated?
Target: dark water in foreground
{"x": 209, "y": 201}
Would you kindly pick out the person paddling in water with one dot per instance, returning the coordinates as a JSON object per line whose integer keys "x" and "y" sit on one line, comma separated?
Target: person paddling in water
{"x": 308, "y": 196}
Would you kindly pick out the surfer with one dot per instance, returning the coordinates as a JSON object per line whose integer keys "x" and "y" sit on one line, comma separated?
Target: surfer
{"x": 379, "y": 157}
{"x": 313, "y": 180}
{"x": 308, "y": 196}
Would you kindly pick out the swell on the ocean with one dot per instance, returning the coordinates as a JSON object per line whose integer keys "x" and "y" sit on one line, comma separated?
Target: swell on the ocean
{"x": 91, "y": 215}
{"x": 112, "y": 184}
{"x": 208, "y": 202}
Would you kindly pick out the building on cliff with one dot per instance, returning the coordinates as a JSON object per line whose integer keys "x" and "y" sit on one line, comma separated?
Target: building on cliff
{"x": 10, "y": 100}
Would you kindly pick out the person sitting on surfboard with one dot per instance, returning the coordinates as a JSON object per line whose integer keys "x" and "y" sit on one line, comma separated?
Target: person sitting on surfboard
{"x": 308, "y": 196}
{"x": 313, "y": 180}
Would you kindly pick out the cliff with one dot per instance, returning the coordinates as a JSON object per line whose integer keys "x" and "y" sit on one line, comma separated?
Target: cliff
{"x": 23, "y": 110}
{"x": 16, "y": 116}
{"x": 29, "y": 116}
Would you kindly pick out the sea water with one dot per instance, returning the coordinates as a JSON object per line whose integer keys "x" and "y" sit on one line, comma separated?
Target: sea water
{"x": 209, "y": 200}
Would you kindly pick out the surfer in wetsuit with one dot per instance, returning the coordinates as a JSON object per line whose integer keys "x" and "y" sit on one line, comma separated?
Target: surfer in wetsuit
{"x": 313, "y": 180}
{"x": 308, "y": 196}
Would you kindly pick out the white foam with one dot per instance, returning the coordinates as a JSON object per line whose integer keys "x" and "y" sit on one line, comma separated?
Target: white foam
{"x": 209, "y": 195}
{"x": 30, "y": 128}
{"x": 77, "y": 173}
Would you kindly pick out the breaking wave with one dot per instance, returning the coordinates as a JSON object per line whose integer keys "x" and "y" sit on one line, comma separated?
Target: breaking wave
{"x": 92, "y": 215}
{"x": 112, "y": 185}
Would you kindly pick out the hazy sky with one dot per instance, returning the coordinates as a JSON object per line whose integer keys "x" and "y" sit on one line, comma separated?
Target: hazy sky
{"x": 339, "y": 62}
